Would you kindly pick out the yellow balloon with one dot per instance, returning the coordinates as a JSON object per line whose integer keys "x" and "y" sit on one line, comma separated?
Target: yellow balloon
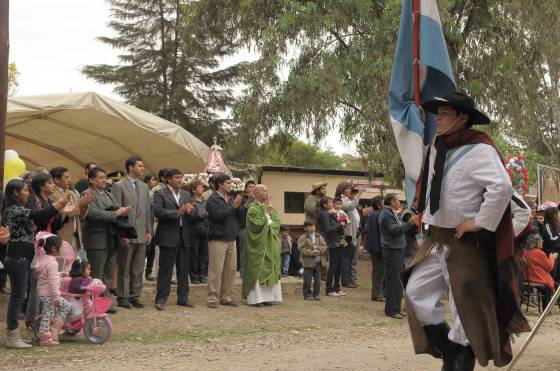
{"x": 13, "y": 167}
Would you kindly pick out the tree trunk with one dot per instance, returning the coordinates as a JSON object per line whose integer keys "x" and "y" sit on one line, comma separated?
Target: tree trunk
{"x": 4, "y": 55}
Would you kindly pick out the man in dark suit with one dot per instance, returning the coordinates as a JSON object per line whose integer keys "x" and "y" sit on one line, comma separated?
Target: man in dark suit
{"x": 131, "y": 191}
{"x": 101, "y": 241}
{"x": 373, "y": 247}
{"x": 393, "y": 244}
{"x": 175, "y": 212}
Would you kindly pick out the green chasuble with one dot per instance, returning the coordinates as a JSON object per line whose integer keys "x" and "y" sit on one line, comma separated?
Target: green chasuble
{"x": 262, "y": 252}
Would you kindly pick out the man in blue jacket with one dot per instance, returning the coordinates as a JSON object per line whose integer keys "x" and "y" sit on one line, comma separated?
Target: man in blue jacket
{"x": 373, "y": 247}
{"x": 223, "y": 212}
{"x": 393, "y": 244}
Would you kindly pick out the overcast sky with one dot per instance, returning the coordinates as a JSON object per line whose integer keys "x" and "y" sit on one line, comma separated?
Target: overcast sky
{"x": 51, "y": 40}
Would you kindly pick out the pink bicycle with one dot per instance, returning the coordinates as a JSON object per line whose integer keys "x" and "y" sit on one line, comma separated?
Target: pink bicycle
{"x": 94, "y": 320}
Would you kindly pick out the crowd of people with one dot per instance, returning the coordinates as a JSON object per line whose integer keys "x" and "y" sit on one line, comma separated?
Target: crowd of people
{"x": 124, "y": 229}
{"x": 129, "y": 227}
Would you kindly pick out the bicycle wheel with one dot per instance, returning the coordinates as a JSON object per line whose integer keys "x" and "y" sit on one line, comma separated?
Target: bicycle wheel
{"x": 100, "y": 334}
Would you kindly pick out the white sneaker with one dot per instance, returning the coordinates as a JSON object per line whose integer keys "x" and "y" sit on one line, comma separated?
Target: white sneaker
{"x": 335, "y": 294}
{"x": 341, "y": 293}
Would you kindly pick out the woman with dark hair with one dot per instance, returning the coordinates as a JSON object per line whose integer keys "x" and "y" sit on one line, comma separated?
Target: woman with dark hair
{"x": 199, "y": 239}
{"x": 43, "y": 188}
{"x": 550, "y": 235}
{"x": 331, "y": 230}
{"x": 21, "y": 249}
{"x": 151, "y": 181}
{"x": 539, "y": 266}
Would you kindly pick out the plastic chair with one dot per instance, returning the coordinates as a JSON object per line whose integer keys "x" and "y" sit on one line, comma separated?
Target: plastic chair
{"x": 531, "y": 292}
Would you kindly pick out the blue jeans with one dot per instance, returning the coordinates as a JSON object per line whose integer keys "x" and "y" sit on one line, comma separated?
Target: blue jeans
{"x": 346, "y": 262}
{"x": 285, "y": 263}
{"x": 18, "y": 271}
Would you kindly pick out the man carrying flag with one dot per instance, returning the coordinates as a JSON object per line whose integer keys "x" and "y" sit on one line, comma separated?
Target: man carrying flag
{"x": 464, "y": 195}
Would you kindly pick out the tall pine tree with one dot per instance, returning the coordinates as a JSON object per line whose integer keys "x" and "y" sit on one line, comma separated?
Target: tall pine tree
{"x": 171, "y": 62}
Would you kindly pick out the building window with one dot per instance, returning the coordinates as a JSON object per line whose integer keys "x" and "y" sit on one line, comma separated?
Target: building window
{"x": 293, "y": 202}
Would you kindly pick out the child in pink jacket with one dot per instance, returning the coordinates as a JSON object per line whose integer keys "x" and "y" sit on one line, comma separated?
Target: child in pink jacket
{"x": 48, "y": 284}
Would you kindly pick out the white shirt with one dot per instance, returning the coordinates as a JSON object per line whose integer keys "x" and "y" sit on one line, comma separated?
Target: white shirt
{"x": 475, "y": 185}
{"x": 133, "y": 181}
{"x": 396, "y": 216}
{"x": 177, "y": 196}
{"x": 519, "y": 216}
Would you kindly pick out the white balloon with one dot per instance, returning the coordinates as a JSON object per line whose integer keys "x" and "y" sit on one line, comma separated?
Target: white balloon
{"x": 10, "y": 154}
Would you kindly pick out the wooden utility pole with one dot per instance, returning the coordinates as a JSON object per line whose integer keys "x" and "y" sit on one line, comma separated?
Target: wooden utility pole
{"x": 4, "y": 55}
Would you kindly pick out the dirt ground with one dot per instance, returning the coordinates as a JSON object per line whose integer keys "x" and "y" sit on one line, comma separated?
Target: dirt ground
{"x": 347, "y": 333}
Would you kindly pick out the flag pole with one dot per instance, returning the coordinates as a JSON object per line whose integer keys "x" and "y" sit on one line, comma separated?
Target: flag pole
{"x": 4, "y": 60}
{"x": 551, "y": 303}
{"x": 416, "y": 49}
{"x": 416, "y": 78}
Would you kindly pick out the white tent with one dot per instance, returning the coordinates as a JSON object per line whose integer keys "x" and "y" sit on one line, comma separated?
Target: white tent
{"x": 72, "y": 129}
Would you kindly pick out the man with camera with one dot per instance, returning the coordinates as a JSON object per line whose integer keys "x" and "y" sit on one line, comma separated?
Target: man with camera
{"x": 350, "y": 197}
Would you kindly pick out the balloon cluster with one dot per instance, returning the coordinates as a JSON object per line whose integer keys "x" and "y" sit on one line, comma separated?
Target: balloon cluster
{"x": 517, "y": 170}
{"x": 13, "y": 165}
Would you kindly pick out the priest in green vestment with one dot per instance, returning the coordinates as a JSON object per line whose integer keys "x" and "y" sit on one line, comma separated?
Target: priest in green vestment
{"x": 261, "y": 278}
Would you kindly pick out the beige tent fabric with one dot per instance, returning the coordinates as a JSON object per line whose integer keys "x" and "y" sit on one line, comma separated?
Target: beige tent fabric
{"x": 75, "y": 128}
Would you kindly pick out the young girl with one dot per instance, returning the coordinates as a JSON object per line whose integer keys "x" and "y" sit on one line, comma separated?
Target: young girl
{"x": 81, "y": 278}
{"x": 48, "y": 283}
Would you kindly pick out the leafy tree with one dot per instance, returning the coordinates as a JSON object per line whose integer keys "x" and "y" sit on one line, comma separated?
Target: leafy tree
{"x": 335, "y": 61}
{"x": 12, "y": 79}
{"x": 285, "y": 149}
{"x": 506, "y": 55}
{"x": 170, "y": 61}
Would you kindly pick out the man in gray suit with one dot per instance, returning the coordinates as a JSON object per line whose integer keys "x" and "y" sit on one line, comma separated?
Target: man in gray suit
{"x": 393, "y": 244}
{"x": 132, "y": 192}
{"x": 101, "y": 240}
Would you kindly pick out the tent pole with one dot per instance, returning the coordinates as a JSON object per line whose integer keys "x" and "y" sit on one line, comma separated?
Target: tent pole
{"x": 4, "y": 55}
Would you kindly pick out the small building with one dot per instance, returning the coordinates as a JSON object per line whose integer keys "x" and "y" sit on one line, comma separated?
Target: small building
{"x": 289, "y": 187}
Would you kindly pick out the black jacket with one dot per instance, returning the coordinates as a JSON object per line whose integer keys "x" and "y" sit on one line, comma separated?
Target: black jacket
{"x": 242, "y": 213}
{"x": 166, "y": 210}
{"x": 551, "y": 239}
{"x": 373, "y": 239}
{"x": 222, "y": 218}
{"x": 330, "y": 229}
{"x": 43, "y": 214}
{"x": 410, "y": 236}
{"x": 392, "y": 230}
{"x": 121, "y": 227}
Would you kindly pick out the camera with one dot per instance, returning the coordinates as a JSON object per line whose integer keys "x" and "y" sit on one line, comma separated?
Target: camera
{"x": 354, "y": 191}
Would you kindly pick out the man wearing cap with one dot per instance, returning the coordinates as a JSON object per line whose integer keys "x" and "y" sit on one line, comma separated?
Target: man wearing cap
{"x": 468, "y": 253}
{"x": 311, "y": 205}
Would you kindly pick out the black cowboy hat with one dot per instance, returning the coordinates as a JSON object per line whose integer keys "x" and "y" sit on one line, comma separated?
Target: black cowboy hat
{"x": 462, "y": 103}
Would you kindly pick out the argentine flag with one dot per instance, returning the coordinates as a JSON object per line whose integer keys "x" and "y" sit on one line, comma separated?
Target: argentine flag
{"x": 436, "y": 79}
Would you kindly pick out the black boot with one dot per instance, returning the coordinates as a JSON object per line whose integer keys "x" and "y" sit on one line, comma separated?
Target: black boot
{"x": 437, "y": 336}
{"x": 464, "y": 359}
